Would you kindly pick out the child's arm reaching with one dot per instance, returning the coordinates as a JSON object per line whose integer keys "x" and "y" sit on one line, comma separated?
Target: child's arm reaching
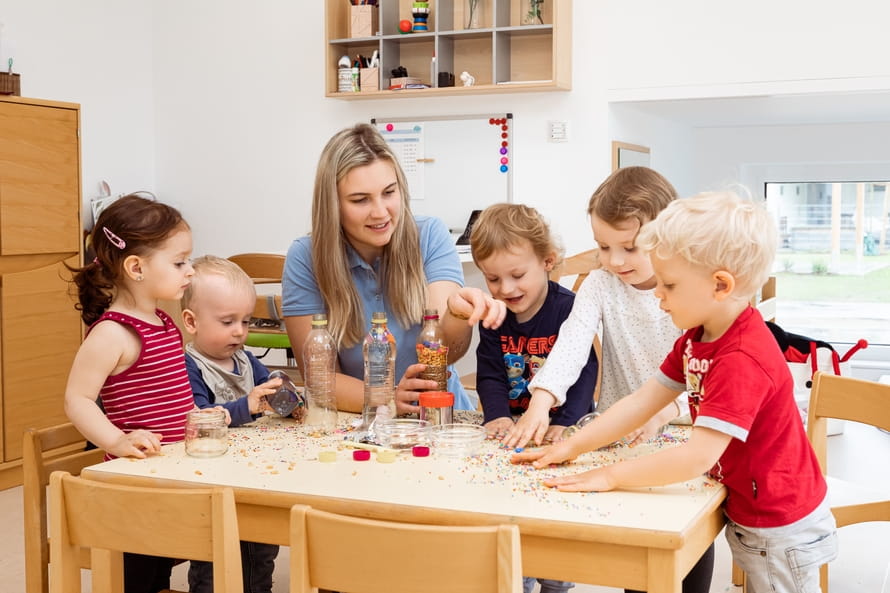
{"x": 672, "y": 465}
{"x": 624, "y": 416}
{"x": 96, "y": 359}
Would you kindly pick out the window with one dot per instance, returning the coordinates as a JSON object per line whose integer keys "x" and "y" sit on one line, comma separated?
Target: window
{"x": 833, "y": 261}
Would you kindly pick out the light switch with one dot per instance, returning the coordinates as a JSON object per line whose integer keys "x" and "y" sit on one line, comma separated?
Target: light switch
{"x": 558, "y": 131}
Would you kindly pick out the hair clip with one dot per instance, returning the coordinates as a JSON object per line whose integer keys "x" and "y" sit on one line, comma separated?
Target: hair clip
{"x": 115, "y": 240}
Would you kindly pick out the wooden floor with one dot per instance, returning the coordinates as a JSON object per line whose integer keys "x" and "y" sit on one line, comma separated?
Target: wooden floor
{"x": 863, "y": 566}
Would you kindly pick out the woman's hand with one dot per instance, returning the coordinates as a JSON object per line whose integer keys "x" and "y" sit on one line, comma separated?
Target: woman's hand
{"x": 473, "y": 305}
{"x": 497, "y": 428}
{"x": 409, "y": 388}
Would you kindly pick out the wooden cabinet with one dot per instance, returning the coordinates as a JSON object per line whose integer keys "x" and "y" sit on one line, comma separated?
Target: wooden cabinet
{"x": 502, "y": 54}
{"x": 40, "y": 230}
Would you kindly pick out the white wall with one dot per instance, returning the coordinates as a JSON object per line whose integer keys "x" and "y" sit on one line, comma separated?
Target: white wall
{"x": 694, "y": 48}
{"x": 97, "y": 53}
{"x": 218, "y": 105}
{"x": 242, "y": 118}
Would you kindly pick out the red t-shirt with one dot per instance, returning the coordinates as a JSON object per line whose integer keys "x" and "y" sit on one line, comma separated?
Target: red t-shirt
{"x": 154, "y": 393}
{"x": 740, "y": 385}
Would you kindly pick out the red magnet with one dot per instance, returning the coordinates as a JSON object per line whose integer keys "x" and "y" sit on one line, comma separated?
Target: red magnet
{"x": 389, "y": 127}
{"x": 361, "y": 455}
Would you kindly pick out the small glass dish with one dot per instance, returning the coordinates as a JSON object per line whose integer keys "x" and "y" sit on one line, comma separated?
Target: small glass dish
{"x": 457, "y": 440}
{"x": 402, "y": 433}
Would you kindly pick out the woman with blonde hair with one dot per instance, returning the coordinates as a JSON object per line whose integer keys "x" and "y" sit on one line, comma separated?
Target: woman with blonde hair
{"x": 367, "y": 252}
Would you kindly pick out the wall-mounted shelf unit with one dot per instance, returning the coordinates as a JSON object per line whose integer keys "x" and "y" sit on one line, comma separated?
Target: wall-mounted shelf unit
{"x": 502, "y": 54}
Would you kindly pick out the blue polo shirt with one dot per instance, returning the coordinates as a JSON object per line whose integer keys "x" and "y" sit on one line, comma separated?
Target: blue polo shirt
{"x": 301, "y": 296}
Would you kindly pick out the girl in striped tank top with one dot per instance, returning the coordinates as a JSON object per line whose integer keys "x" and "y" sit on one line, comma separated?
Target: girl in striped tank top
{"x": 132, "y": 357}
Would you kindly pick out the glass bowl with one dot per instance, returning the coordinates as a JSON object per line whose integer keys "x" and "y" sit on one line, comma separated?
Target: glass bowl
{"x": 457, "y": 440}
{"x": 402, "y": 433}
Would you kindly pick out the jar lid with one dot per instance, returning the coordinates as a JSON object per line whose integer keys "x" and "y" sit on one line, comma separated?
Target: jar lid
{"x": 436, "y": 399}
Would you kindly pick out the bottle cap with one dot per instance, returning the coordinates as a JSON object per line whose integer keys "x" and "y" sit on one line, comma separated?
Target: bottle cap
{"x": 436, "y": 399}
{"x": 361, "y": 455}
{"x": 378, "y": 317}
{"x": 319, "y": 319}
{"x": 430, "y": 314}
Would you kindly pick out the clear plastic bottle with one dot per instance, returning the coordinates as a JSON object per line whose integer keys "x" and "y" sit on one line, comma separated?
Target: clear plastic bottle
{"x": 379, "y": 353}
{"x": 319, "y": 372}
{"x": 432, "y": 352}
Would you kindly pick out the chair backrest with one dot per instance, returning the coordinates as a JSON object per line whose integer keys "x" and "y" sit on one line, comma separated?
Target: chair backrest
{"x": 44, "y": 451}
{"x": 579, "y": 265}
{"x": 387, "y": 557}
{"x": 844, "y": 398}
{"x": 263, "y": 268}
{"x": 198, "y": 524}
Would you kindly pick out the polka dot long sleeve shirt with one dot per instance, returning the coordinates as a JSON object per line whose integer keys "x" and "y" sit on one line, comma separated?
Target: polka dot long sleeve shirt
{"x": 636, "y": 336}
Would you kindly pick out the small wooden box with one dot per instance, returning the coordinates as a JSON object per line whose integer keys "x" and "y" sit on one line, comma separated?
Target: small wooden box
{"x": 370, "y": 79}
{"x": 362, "y": 21}
{"x": 10, "y": 84}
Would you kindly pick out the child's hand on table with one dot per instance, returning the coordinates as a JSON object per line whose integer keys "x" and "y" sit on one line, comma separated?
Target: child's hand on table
{"x": 534, "y": 424}
{"x": 498, "y": 428}
{"x": 139, "y": 443}
{"x": 596, "y": 480}
{"x": 554, "y": 433}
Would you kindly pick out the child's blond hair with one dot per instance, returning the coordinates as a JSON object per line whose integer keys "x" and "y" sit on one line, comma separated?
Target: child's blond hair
{"x": 211, "y": 264}
{"x": 717, "y": 231}
{"x": 502, "y": 226}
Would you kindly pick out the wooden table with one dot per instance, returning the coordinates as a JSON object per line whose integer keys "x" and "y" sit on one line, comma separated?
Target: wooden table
{"x": 644, "y": 539}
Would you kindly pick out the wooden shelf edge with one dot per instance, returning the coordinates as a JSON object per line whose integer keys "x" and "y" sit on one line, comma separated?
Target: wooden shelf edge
{"x": 481, "y": 89}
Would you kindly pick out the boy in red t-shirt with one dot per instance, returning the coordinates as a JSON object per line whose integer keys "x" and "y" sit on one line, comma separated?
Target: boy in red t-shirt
{"x": 710, "y": 254}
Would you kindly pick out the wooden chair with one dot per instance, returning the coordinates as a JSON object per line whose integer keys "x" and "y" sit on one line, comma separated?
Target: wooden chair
{"x": 400, "y": 557}
{"x": 110, "y": 519}
{"x": 44, "y": 451}
{"x": 579, "y": 265}
{"x": 846, "y": 398}
{"x": 267, "y": 325}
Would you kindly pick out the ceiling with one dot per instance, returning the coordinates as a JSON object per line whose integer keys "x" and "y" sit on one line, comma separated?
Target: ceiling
{"x": 789, "y": 109}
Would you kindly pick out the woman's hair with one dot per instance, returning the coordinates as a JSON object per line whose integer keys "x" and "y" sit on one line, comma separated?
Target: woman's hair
{"x": 131, "y": 225}
{"x": 717, "y": 231}
{"x": 631, "y": 193}
{"x": 207, "y": 265}
{"x": 401, "y": 266}
{"x": 503, "y": 226}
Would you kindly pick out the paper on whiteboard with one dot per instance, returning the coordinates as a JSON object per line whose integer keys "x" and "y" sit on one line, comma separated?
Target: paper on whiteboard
{"x": 406, "y": 141}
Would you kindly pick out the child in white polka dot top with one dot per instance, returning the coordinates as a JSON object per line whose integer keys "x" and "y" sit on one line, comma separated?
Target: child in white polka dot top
{"x": 615, "y": 301}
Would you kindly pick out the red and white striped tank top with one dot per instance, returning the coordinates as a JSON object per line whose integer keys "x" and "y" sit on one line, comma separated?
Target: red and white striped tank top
{"x": 154, "y": 393}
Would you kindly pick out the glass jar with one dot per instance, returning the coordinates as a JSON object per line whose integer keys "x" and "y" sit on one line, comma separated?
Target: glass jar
{"x": 581, "y": 423}
{"x": 436, "y": 407}
{"x": 287, "y": 400}
{"x": 206, "y": 433}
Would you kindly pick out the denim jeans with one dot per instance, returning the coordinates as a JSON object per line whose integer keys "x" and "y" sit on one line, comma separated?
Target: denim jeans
{"x": 785, "y": 559}
{"x": 257, "y": 566}
{"x": 547, "y": 585}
